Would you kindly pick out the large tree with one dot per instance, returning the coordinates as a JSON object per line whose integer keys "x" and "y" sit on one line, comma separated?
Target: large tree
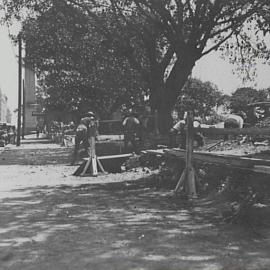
{"x": 163, "y": 39}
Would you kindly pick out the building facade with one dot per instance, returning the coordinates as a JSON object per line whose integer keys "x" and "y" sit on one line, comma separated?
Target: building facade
{"x": 9, "y": 116}
{"x": 4, "y": 111}
{"x": 30, "y": 109}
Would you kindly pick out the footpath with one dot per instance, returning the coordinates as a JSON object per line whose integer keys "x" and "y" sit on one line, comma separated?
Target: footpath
{"x": 34, "y": 151}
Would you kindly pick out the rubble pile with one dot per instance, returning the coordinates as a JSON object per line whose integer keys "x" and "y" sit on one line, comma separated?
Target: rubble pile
{"x": 264, "y": 123}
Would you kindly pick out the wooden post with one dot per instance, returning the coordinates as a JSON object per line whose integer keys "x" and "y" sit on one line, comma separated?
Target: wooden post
{"x": 187, "y": 178}
{"x": 92, "y": 159}
{"x": 156, "y": 122}
{"x": 23, "y": 112}
{"x": 92, "y": 143}
{"x": 18, "y": 143}
{"x": 120, "y": 144}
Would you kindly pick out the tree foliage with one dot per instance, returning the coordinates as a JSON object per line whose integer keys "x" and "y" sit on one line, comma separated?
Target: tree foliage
{"x": 242, "y": 97}
{"x": 162, "y": 40}
{"x": 76, "y": 71}
{"x": 200, "y": 97}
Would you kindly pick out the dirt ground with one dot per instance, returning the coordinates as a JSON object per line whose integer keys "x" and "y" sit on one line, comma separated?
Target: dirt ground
{"x": 50, "y": 219}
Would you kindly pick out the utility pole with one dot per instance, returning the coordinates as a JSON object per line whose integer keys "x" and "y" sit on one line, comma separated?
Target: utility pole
{"x": 19, "y": 90}
{"x": 23, "y": 112}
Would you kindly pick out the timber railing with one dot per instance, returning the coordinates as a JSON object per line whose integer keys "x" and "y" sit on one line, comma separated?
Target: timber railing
{"x": 234, "y": 131}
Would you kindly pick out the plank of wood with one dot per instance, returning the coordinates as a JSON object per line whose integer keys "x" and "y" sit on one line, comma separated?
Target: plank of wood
{"x": 228, "y": 160}
{"x": 113, "y": 156}
{"x": 234, "y": 131}
{"x": 261, "y": 169}
{"x": 247, "y": 163}
{"x": 260, "y": 103}
{"x": 158, "y": 152}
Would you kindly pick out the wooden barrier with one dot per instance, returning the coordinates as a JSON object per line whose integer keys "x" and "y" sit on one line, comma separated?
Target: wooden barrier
{"x": 245, "y": 163}
{"x": 226, "y": 160}
{"x": 255, "y": 131}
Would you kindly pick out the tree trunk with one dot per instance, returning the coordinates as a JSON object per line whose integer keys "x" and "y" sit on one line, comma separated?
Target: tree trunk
{"x": 164, "y": 94}
{"x": 165, "y": 121}
{"x": 160, "y": 106}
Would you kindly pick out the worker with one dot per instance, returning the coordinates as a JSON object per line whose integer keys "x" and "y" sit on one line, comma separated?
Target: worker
{"x": 180, "y": 128}
{"x": 131, "y": 126}
{"x": 83, "y": 131}
{"x": 233, "y": 121}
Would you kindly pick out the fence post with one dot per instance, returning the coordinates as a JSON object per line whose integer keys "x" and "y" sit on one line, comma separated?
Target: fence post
{"x": 187, "y": 178}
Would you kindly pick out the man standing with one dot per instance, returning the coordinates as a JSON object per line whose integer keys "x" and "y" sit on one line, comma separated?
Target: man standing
{"x": 82, "y": 134}
{"x": 37, "y": 130}
{"x": 131, "y": 126}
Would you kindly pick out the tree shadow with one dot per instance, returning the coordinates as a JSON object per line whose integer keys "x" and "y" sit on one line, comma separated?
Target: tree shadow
{"x": 126, "y": 225}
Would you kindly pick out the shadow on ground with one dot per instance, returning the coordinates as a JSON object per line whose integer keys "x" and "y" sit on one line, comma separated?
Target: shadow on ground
{"x": 127, "y": 225}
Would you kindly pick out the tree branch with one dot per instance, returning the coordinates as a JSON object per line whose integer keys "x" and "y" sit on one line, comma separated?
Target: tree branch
{"x": 218, "y": 44}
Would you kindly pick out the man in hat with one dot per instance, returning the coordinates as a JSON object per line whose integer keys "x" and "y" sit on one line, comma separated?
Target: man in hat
{"x": 131, "y": 126}
{"x": 86, "y": 128}
{"x": 179, "y": 128}
{"x": 233, "y": 121}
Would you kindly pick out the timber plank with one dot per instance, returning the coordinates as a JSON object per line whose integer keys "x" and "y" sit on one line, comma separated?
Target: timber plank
{"x": 113, "y": 156}
{"x": 234, "y": 131}
{"x": 228, "y": 160}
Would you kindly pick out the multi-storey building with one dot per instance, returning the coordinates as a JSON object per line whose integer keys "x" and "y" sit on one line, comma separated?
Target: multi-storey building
{"x": 31, "y": 108}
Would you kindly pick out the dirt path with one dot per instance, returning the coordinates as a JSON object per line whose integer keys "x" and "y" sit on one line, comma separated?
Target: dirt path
{"x": 52, "y": 220}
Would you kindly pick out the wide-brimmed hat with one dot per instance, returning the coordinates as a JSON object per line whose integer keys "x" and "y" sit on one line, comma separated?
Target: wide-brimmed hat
{"x": 90, "y": 114}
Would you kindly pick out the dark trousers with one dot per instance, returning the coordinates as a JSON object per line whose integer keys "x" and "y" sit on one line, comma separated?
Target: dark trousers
{"x": 230, "y": 123}
{"x": 80, "y": 137}
{"x": 132, "y": 139}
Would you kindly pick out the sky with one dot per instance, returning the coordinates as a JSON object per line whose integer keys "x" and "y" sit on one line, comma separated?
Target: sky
{"x": 210, "y": 68}
{"x": 8, "y": 68}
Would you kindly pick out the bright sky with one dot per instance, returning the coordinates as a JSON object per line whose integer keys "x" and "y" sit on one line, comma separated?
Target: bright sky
{"x": 8, "y": 68}
{"x": 210, "y": 68}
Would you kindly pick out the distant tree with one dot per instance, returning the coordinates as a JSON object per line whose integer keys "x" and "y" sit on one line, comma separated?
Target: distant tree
{"x": 242, "y": 97}
{"x": 200, "y": 97}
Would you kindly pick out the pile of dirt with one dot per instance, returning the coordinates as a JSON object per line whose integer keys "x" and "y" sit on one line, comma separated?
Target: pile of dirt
{"x": 237, "y": 195}
{"x": 234, "y": 147}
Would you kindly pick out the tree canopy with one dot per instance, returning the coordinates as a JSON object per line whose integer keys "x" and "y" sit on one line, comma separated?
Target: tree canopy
{"x": 200, "y": 97}
{"x": 74, "y": 68}
{"x": 163, "y": 39}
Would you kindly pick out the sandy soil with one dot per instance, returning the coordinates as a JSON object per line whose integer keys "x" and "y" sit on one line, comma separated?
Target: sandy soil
{"x": 50, "y": 219}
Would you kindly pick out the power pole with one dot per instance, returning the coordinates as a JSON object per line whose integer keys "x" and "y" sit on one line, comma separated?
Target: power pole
{"x": 19, "y": 90}
{"x": 23, "y": 112}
